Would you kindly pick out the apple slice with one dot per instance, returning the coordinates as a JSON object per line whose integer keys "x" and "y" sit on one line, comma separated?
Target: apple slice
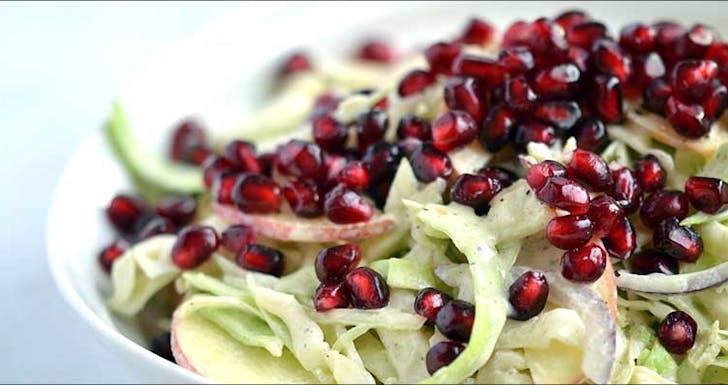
{"x": 288, "y": 227}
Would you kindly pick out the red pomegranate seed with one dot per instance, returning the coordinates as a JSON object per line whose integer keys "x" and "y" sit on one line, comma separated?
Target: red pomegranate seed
{"x": 687, "y": 119}
{"x": 585, "y": 264}
{"x": 569, "y": 232}
{"x": 299, "y": 158}
{"x": 242, "y": 154}
{"x": 605, "y": 212}
{"x": 335, "y": 262}
{"x": 557, "y": 82}
{"x": 564, "y": 194}
{"x": 606, "y": 99}
{"x": 442, "y": 354}
{"x": 626, "y": 190}
{"x": 216, "y": 166}
{"x": 585, "y": 34}
{"x": 325, "y": 104}
{"x": 578, "y": 57}
{"x": 235, "y": 237}
{"x": 415, "y": 82}
{"x": 330, "y": 295}
{"x": 516, "y": 60}
{"x": 379, "y": 192}
{"x": 528, "y": 295}
{"x": 516, "y": 34}
{"x": 453, "y": 129}
{"x": 591, "y": 170}
{"x": 222, "y": 188}
{"x": 413, "y": 126}
{"x": 186, "y": 138}
{"x": 333, "y": 164}
{"x": 295, "y": 63}
{"x": 679, "y": 242}
{"x": 367, "y": 288}
{"x": 677, "y": 332}
{"x": 663, "y": 204}
{"x": 546, "y": 38}
{"x": 694, "y": 43}
{"x": 502, "y": 175}
{"x": 563, "y": 115}
{"x": 149, "y": 225}
{"x": 376, "y": 51}
{"x": 478, "y": 31}
{"x": 609, "y": 59}
{"x": 429, "y": 163}
{"x": 303, "y": 197}
{"x": 479, "y": 67}
{"x": 637, "y": 38}
{"x": 518, "y": 94}
{"x": 645, "y": 69}
{"x": 262, "y": 259}
{"x": 650, "y": 174}
{"x": 475, "y": 191}
{"x": 180, "y": 209}
{"x": 455, "y": 320}
{"x": 329, "y": 134}
{"x": 441, "y": 56}
{"x": 257, "y": 194}
{"x": 715, "y": 100}
{"x": 621, "y": 240}
{"x": 666, "y": 35}
{"x": 655, "y": 96}
{"x": 382, "y": 159}
{"x": 653, "y": 261}
{"x": 266, "y": 162}
{"x": 465, "y": 94}
{"x": 355, "y": 175}
{"x": 718, "y": 52}
{"x": 344, "y": 206}
{"x": 533, "y": 131}
{"x": 540, "y": 173}
{"x": 370, "y": 128}
{"x": 590, "y": 134}
{"x": 497, "y": 128}
{"x": 195, "y": 244}
{"x": 706, "y": 194}
{"x": 571, "y": 18}
{"x": 110, "y": 253}
{"x": 692, "y": 78}
{"x": 429, "y": 301}
{"x": 123, "y": 212}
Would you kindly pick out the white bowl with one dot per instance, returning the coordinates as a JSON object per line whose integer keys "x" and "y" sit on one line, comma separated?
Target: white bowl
{"x": 220, "y": 74}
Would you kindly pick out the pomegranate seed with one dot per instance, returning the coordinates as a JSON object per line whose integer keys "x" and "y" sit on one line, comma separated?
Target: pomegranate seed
{"x": 621, "y": 240}
{"x": 222, "y": 188}
{"x": 354, "y": 175}
{"x": 382, "y": 159}
{"x": 455, "y": 320}
{"x": 335, "y": 262}
{"x": 688, "y": 120}
{"x": 344, "y": 206}
{"x": 242, "y": 154}
{"x": 408, "y": 146}
{"x": 376, "y": 51}
{"x": 653, "y": 261}
{"x": 195, "y": 244}
{"x": 475, "y": 191}
{"x": 413, "y": 126}
{"x": 441, "y": 56}
{"x": 571, "y": 18}
{"x": 540, "y": 173}
{"x": 479, "y": 67}
{"x": 546, "y": 38}
{"x": 497, "y": 128}
{"x": 578, "y": 57}
{"x": 516, "y": 34}
{"x": 186, "y": 138}
{"x": 216, "y": 166}
{"x": 303, "y": 197}
{"x": 442, "y": 354}
{"x": 415, "y": 82}
{"x": 677, "y": 332}
{"x": 257, "y": 194}
{"x": 606, "y": 99}
{"x": 679, "y": 242}
{"x": 465, "y": 94}
{"x": 478, "y": 31}
{"x": 263, "y": 259}
{"x": 645, "y": 69}
{"x": 655, "y": 96}
{"x": 367, "y": 288}
{"x": 637, "y": 38}
{"x": 528, "y": 295}
{"x": 110, "y": 253}
{"x": 569, "y": 232}
{"x": 124, "y": 211}
{"x": 429, "y": 163}
{"x": 266, "y": 162}
{"x": 692, "y": 78}
{"x": 370, "y": 128}
{"x": 718, "y": 52}
{"x": 503, "y": 176}
{"x": 590, "y": 134}
{"x": 180, "y": 209}
{"x": 329, "y": 134}
{"x": 429, "y": 301}
{"x": 609, "y": 59}
{"x": 161, "y": 346}
{"x": 626, "y": 190}
{"x": 591, "y": 170}
{"x": 235, "y": 237}
{"x": 666, "y": 35}
{"x": 533, "y": 131}
{"x": 663, "y": 204}
{"x": 715, "y": 100}
{"x": 706, "y": 194}
{"x": 325, "y": 104}
{"x": 333, "y": 164}
{"x": 379, "y": 193}
{"x": 557, "y": 82}
{"x": 295, "y": 63}
{"x": 605, "y": 212}
{"x": 650, "y": 174}
{"x": 149, "y": 225}
{"x": 453, "y": 129}
{"x": 564, "y": 194}
{"x": 585, "y": 34}
{"x": 585, "y": 264}
{"x": 695, "y": 42}
{"x": 330, "y": 295}
{"x": 299, "y": 158}
{"x": 560, "y": 114}
{"x": 516, "y": 60}
{"x": 518, "y": 95}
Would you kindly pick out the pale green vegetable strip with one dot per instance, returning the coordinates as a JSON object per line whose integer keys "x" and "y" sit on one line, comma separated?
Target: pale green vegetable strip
{"x": 370, "y": 349}
{"x": 350, "y": 336}
{"x": 406, "y": 274}
{"x": 716, "y": 167}
{"x": 406, "y": 350}
{"x": 387, "y": 317}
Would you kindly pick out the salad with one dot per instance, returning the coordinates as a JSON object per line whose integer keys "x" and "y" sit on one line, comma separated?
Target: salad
{"x": 543, "y": 204}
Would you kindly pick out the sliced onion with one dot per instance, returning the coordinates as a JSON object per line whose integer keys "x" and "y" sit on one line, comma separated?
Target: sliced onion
{"x": 657, "y": 283}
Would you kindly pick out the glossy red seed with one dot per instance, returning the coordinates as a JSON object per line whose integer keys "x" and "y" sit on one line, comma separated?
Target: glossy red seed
{"x": 533, "y": 131}
{"x": 243, "y": 155}
{"x": 413, "y": 126}
{"x": 370, "y": 128}
{"x": 367, "y": 288}
{"x": 379, "y": 193}
{"x": 442, "y": 354}
{"x": 637, "y": 38}
{"x": 688, "y": 119}
{"x": 621, "y": 240}
{"x": 718, "y": 52}
{"x": 194, "y": 245}
{"x": 694, "y": 43}
{"x": 216, "y": 166}
{"x": 502, "y": 175}
{"x": 564, "y": 194}
{"x": 692, "y": 78}
{"x": 235, "y": 237}
{"x": 429, "y": 301}
{"x": 329, "y": 133}
{"x": 330, "y": 295}
{"x": 590, "y": 134}
{"x": 355, "y": 175}
{"x": 299, "y": 158}
{"x": 680, "y": 242}
{"x": 333, "y": 263}
{"x": 545, "y": 39}
{"x": 585, "y": 264}
{"x": 408, "y": 145}
{"x": 706, "y": 194}
{"x": 441, "y": 56}
{"x": 186, "y": 138}
{"x": 715, "y": 100}
{"x": 257, "y": 194}
{"x": 429, "y": 163}
{"x": 571, "y": 18}
{"x": 465, "y": 94}
{"x": 382, "y": 159}
{"x": 518, "y": 94}
{"x": 585, "y": 34}
{"x": 497, "y": 128}
{"x": 376, "y": 51}
{"x": 303, "y": 197}
{"x": 123, "y": 212}
{"x": 591, "y": 170}
{"x": 180, "y": 209}
{"x": 333, "y": 164}
{"x": 653, "y": 261}
{"x": 415, "y": 82}
{"x": 663, "y": 204}
{"x": 455, "y": 320}
{"x": 528, "y": 295}
{"x": 557, "y": 82}
{"x": 605, "y": 212}
{"x": 111, "y": 253}
{"x": 344, "y": 206}
{"x": 222, "y": 187}
{"x": 655, "y": 96}
{"x": 262, "y": 259}
{"x": 516, "y": 34}
{"x": 650, "y": 174}
{"x": 540, "y": 173}
{"x": 325, "y": 104}
{"x": 478, "y": 31}
{"x": 453, "y": 129}
{"x": 563, "y": 115}
{"x": 475, "y": 191}
{"x": 578, "y": 57}
{"x": 149, "y": 225}
{"x": 645, "y": 69}
{"x": 677, "y": 332}
{"x": 297, "y": 62}
{"x": 570, "y": 231}
{"x": 516, "y": 60}
{"x": 479, "y": 67}
{"x": 609, "y": 59}
{"x": 606, "y": 99}
{"x": 626, "y": 190}
{"x": 666, "y": 35}
{"x": 266, "y": 162}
